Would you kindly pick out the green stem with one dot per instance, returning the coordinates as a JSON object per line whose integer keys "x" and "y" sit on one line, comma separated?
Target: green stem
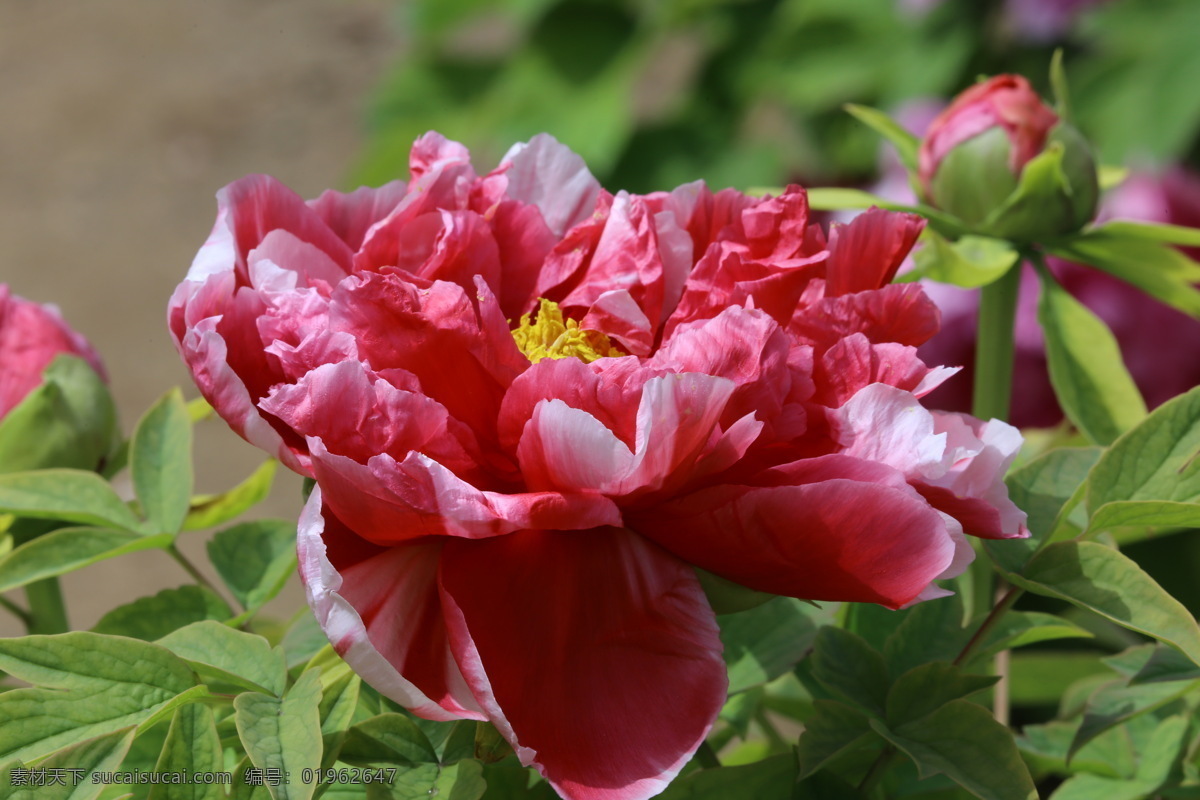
{"x": 190, "y": 568}
{"x": 47, "y": 613}
{"x": 994, "y": 347}
{"x": 16, "y": 611}
{"x": 877, "y": 770}
{"x": 999, "y": 610}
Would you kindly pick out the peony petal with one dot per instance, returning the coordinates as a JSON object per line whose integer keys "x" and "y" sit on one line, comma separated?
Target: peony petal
{"x": 832, "y": 539}
{"x": 388, "y": 501}
{"x": 594, "y": 653}
{"x": 381, "y": 611}
{"x": 351, "y": 215}
{"x": 896, "y": 313}
{"x": 865, "y": 254}
{"x": 548, "y": 175}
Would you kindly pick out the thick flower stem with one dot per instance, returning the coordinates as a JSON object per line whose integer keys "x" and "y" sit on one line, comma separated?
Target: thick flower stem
{"x": 994, "y": 347}
{"x": 47, "y": 613}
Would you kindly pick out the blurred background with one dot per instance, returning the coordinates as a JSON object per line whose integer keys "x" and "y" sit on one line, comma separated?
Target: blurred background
{"x": 122, "y": 118}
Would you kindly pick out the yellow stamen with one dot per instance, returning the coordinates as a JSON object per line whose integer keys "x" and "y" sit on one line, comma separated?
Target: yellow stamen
{"x": 550, "y": 336}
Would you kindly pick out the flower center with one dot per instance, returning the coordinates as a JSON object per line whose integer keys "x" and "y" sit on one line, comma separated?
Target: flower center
{"x": 550, "y": 336}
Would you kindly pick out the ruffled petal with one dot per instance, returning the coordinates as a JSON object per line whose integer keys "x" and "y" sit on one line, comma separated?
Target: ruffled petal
{"x": 381, "y": 610}
{"x": 594, "y": 653}
{"x": 548, "y": 175}
{"x": 389, "y": 501}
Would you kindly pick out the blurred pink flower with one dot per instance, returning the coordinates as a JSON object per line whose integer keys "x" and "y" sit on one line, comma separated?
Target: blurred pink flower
{"x": 532, "y": 406}
{"x": 31, "y": 335}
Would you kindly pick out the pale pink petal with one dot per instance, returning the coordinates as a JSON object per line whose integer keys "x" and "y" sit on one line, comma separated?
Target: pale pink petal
{"x": 381, "y": 611}
{"x": 547, "y": 174}
{"x": 620, "y": 675}
{"x": 888, "y": 425}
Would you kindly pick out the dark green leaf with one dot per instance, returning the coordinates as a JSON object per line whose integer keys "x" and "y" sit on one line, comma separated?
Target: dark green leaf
{"x": 218, "y": 651}
{"x": 769, "y": 779}
{"x": 208, "y": 511}
{"x": 338, "y": 703}
{"x": 1103, "y": 580}
{"x": 1089, "y": 377}
{"x": 926, "y": 688}
{"x": 66, "y": 494}
{"x": 849, "y": 667}
{"x": 931, "y": 631}
{"x": 964, "y": 742}
{"x": 764, "y": 642}
{"x": 160, "y": 458}
{"x": 86, "y": 685}
{"x": 387, "y": 739}
{"x": 255, "y": 559}
{"x": 68, "y": 549}
{"x": 283, "y": 735}
{"x": 153, "y": 617}
{"x": 1166, "y": 664}
{"x": 833, "y": 729}
{"x": 192, "y": 747}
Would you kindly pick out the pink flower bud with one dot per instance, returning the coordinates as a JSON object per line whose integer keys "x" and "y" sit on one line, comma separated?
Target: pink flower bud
{"x": 31, "y": 335}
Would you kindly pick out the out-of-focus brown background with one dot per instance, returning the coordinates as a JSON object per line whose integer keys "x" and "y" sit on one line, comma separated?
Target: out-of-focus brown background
{"x": 119, "y": 120}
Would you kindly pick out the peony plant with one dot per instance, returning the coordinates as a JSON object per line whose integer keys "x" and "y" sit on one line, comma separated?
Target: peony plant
{"x": 612, "y": 496}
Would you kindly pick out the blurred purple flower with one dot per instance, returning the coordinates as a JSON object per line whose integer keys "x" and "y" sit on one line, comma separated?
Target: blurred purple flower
{"x": 1043, "y": 20}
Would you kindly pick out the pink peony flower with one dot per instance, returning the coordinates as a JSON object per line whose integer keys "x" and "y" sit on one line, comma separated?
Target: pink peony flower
{"x": 532, "y": 407}
{"x": 31, "y": 335}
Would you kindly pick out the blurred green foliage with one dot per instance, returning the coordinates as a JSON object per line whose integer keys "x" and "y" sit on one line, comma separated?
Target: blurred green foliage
{"x": 654, "y": 93}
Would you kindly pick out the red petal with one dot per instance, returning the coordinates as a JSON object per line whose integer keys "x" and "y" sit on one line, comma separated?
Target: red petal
{"x": 381, "y": 611}
{"x": 595, "y": 654}
{"x": 866, "y": 253}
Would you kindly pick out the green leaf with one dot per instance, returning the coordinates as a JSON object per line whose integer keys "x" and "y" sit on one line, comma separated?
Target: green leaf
{"x": 769, "y": 779}
{"x": 1165, "y": 664}
{"x": 926, "y": 688}
{"x": 905, "y": 143}
{"x": 1089, "y": 377}
{"x": 247, "y": 790}
{"x": 66, "y": 494}
{"x": 1058, "y": 85}
{"x": 87, "y": 685}
{"x": 67, "y": 421}
{"x": 387, "y": 739}
{"x": 100, "y": 754}
{"x": 1146, "y": 515}
{"x": 1044, "y": 488}
{"x": 764, "y": 642}
{"x": 218, "y": 651}
{"x": 68, "y": 549}
{"x": 1103, "y": 580}
{"x": 255, "y": 559}
{"x": 1157, "y": 269}
{"x": 1117, "y": 703}
{"x": 964, "y": 742}
{"x": 1154, "y": 232}
{"x": 338, "y": 703}
{"x": 970, "y": 262}
{"x": 208, "y": 511}
{"x": 459, "y": 781}
{"x": 192, "y": 746}
{"x": 1159, "y": 758}
{"x": 1155, "y": 461}
{"x": 838, "y": 198}
{"x": 160, "y": 458}
{"x": 931, "y": 631}
{"x": 845, "y": 664}
{"x": 1020, "y": 628}
{"x": 283, "y": 734}
{"x": 153, "y": 617}
{"x": 833, "y": 729}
